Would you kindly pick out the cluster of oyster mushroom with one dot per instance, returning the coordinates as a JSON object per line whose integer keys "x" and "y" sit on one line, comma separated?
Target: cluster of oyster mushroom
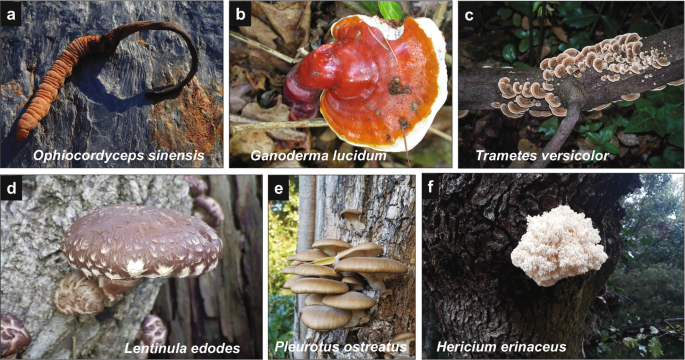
{"x": 328, "y": 273}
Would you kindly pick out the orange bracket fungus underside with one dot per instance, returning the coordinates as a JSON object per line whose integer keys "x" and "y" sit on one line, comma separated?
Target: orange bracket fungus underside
{"x": 381, "y": 81}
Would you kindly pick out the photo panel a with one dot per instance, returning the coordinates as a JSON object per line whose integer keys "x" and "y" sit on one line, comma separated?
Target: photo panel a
{"x": 113, "y": 84}
{"x": 137, "y": 266}
{"x": 342, "y": 266}
{"x": 556, "y": 266}
{"x": 570, "y": 84}
{"x": 340, "y": 84}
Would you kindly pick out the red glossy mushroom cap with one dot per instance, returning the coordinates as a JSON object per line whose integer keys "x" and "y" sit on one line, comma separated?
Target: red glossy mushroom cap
{"x": 378, "y": 79}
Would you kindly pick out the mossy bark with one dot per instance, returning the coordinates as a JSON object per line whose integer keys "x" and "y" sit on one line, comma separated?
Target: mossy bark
{"x": 468, "y": 237}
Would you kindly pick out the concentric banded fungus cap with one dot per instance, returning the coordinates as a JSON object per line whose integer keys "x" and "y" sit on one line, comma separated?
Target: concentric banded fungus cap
{"x": 321, "y": 317}
{"x": 314, "y": 299}
{"x": 367, "y": 249}
{"x": 373, "y": 269}
{"x": 319, "y": 286}
{"x": 315, "y": 270}
{"x": 76, "y": 294}
{"x": 14, "y": 336}
{"x": 125, "y": 242}
{"x": 288, "y": 283}
{"x": 380, "y": 80}
{"x": 308, "y": 255}
{"x": 331, "y": 246}
{"x": 349, "y": 301}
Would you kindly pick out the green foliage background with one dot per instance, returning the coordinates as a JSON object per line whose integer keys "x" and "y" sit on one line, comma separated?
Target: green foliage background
{"x": 283, "y": 228}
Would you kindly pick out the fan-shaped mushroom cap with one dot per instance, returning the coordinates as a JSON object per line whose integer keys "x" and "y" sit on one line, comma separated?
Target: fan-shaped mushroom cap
{"x": 547, "y": 86}
{"x": 319, "y": 286}
{"x": 315, "y": 270}
{"x": 552, "y": 100}
{"x": 548, "y": 75}
{"x": 405, "y": 339}
{"x": 367, "y": 249}
{"x": 630, "y": 97}
{"x": 505, "y": 110}
{"x": 13, "y": 336}
{"x": 373, "y": 269}
{"x": 516, "y": 108}
{"x": 463, "y": 113}
{"x": 125, "y": 242}
{"x": 353, "y": 282}
{"x": 353, "y": 216}
{"x": 295, "y": 263}
{"x": 308, "y": 255}
{"x": 288, "y": 283}
{"x": 314, "y": 299}
{"x": 321, "y": 317}
{"x": 558, "y": 111}
{"x": 349, "y": 301}
{"x": 544, "y": 63}
{"x": 289, "y": 270}
{"x": 76, "y": 294}
{"x": 536, "y": 91}
{"x": 331, "y": 246}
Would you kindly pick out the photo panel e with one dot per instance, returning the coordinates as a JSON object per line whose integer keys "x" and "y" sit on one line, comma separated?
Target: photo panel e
{"x": 138, "y": 266}
{"x": 341, "y": 84}
{"x": 342, "y": 267}
{"x": 556, "y": 266}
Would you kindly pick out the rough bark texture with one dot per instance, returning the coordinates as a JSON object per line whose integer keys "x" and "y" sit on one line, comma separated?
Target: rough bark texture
{"x": 224, "y": 306}
{"x": 478, "y": 87}
{"x": 468, "y": 237}
{"x": 32, "y": 264}
{"x": 389, "y": 215}
{"x": 103, "y": 105}
{"x": 305, "y": 239}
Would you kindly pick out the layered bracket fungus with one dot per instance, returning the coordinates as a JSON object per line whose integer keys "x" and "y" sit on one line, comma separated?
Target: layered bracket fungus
{"x": 121, "y": 244}
{"x": 154, "y": 333}
{"x": 13, "y": 336}
{"x": 321, "y": 317}
{"x": 383, "y": 83}
{"x": 374, "y": 270}
{"x": 558, "y": 244}
{"x": 101, "y": 44}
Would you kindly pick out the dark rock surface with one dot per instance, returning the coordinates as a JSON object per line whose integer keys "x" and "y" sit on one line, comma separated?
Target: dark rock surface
{"x": 102, "y": 106}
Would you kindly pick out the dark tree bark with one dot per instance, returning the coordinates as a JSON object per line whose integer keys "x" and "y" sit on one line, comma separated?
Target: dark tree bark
{"x": 468, "y": 237}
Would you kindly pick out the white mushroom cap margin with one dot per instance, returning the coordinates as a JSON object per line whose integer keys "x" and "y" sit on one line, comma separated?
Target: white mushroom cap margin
{"x": 558, "y": 244}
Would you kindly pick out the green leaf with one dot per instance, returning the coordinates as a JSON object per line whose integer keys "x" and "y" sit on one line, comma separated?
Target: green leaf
{"x": 580, "y": 17}
{"x": 390, "y": 9}
{"x": 676, "y": 139}
{"x": 521, "y": 34}
{"x": 611, "y": 148}
{"x": 643, "y": 121}
{"x": 523, "y": 46}
{"x": 509, "y": 52}
{"x": 580, "y": 128}
{"x": 674, "y": 158}
{"x": 655, "y": 347}
{"x": 549, "y": 128}
{"x": 494, "y": 18}
{"x": 594, "y": 126}
{"x": 610, "y": 26}
{"x": 516, "y": 19}
{"x": 372, "y": 6}
{"x": 653, "y": 330}
{"x": 645, "y": 241}
{"x": 629, "y": 231}
{"x": 595, "y": 138}
{"x": 618, "y": 120}
{"x": 643, "y": 28}
{"x": 606, "y": 134}
{"x": 520, "y": 6}
{"x": 505, "y": 12}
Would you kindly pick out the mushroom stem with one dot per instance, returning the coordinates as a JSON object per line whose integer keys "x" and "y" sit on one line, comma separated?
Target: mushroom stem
{"x": 376, "y": 281}
{"x": 114, "y": 288}
{"x": 356, "y": 317}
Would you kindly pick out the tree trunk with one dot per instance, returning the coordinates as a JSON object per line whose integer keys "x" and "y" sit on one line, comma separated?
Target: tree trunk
{"x": 388, "y": 213}
{"x": 468, "y": 237}
{"x": 305, "y": 239}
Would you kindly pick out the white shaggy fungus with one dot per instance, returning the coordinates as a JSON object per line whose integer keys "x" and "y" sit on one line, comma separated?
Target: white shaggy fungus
{"x": 558, "y": 244}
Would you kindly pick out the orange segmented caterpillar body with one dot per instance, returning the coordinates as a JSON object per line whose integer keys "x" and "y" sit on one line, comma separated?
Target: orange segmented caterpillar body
{"x": 107, "y": 43}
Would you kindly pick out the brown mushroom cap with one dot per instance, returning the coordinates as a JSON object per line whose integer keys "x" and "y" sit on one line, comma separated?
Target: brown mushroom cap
{"x": 315, "y": 270}
{"x": 403, "y": 336}
{"x": 319, "y": 286}
{"x": 308, "y": 255}
{"x": 321, "y": 317}
{"x": 371, "y": 265}
{"x": 154, "y": 332}
{"x": 349, "y": 301}
{"x": 331, "y": 246}
{"x": 367, "y": 249}
{"x": 314, "y": 299}
{"x": 353, "y": 216}
{"x": 295, "y": 263}
{"x": 352, "y": 280}
{"x": 125, "y": 242}
{"x": 289, "y": 270}
{"x": 76, "y": 294}
{"x": 14, "y": 336}
{"x": 288, "y": 283}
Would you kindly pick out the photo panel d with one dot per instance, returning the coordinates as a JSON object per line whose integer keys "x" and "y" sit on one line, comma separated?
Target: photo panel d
{"x": 570, "y": 84}
{"x": 556, "y": 266}
{"x": 112, "y": 84}
{"x": 342, "y": 267}
{"x": 110, "y": 267}
{"x": 341, "y": 84}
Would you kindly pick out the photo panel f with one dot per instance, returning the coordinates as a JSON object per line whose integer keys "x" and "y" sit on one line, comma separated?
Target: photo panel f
{"x": 113, "y": 84}
{"x": 570, "y": 84}
{"x": 342, "y": 267}
{"x": 341, "y": 84}
{"x": 110, "y": 267}
{"x": 555, "y": 266}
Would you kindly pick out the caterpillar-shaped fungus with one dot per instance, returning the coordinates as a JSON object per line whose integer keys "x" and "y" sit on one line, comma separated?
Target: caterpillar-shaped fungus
{"x": 107, "y": 43}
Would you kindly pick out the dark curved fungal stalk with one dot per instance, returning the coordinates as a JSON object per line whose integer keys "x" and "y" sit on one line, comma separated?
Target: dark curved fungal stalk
{"x": 106, "y": 44}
